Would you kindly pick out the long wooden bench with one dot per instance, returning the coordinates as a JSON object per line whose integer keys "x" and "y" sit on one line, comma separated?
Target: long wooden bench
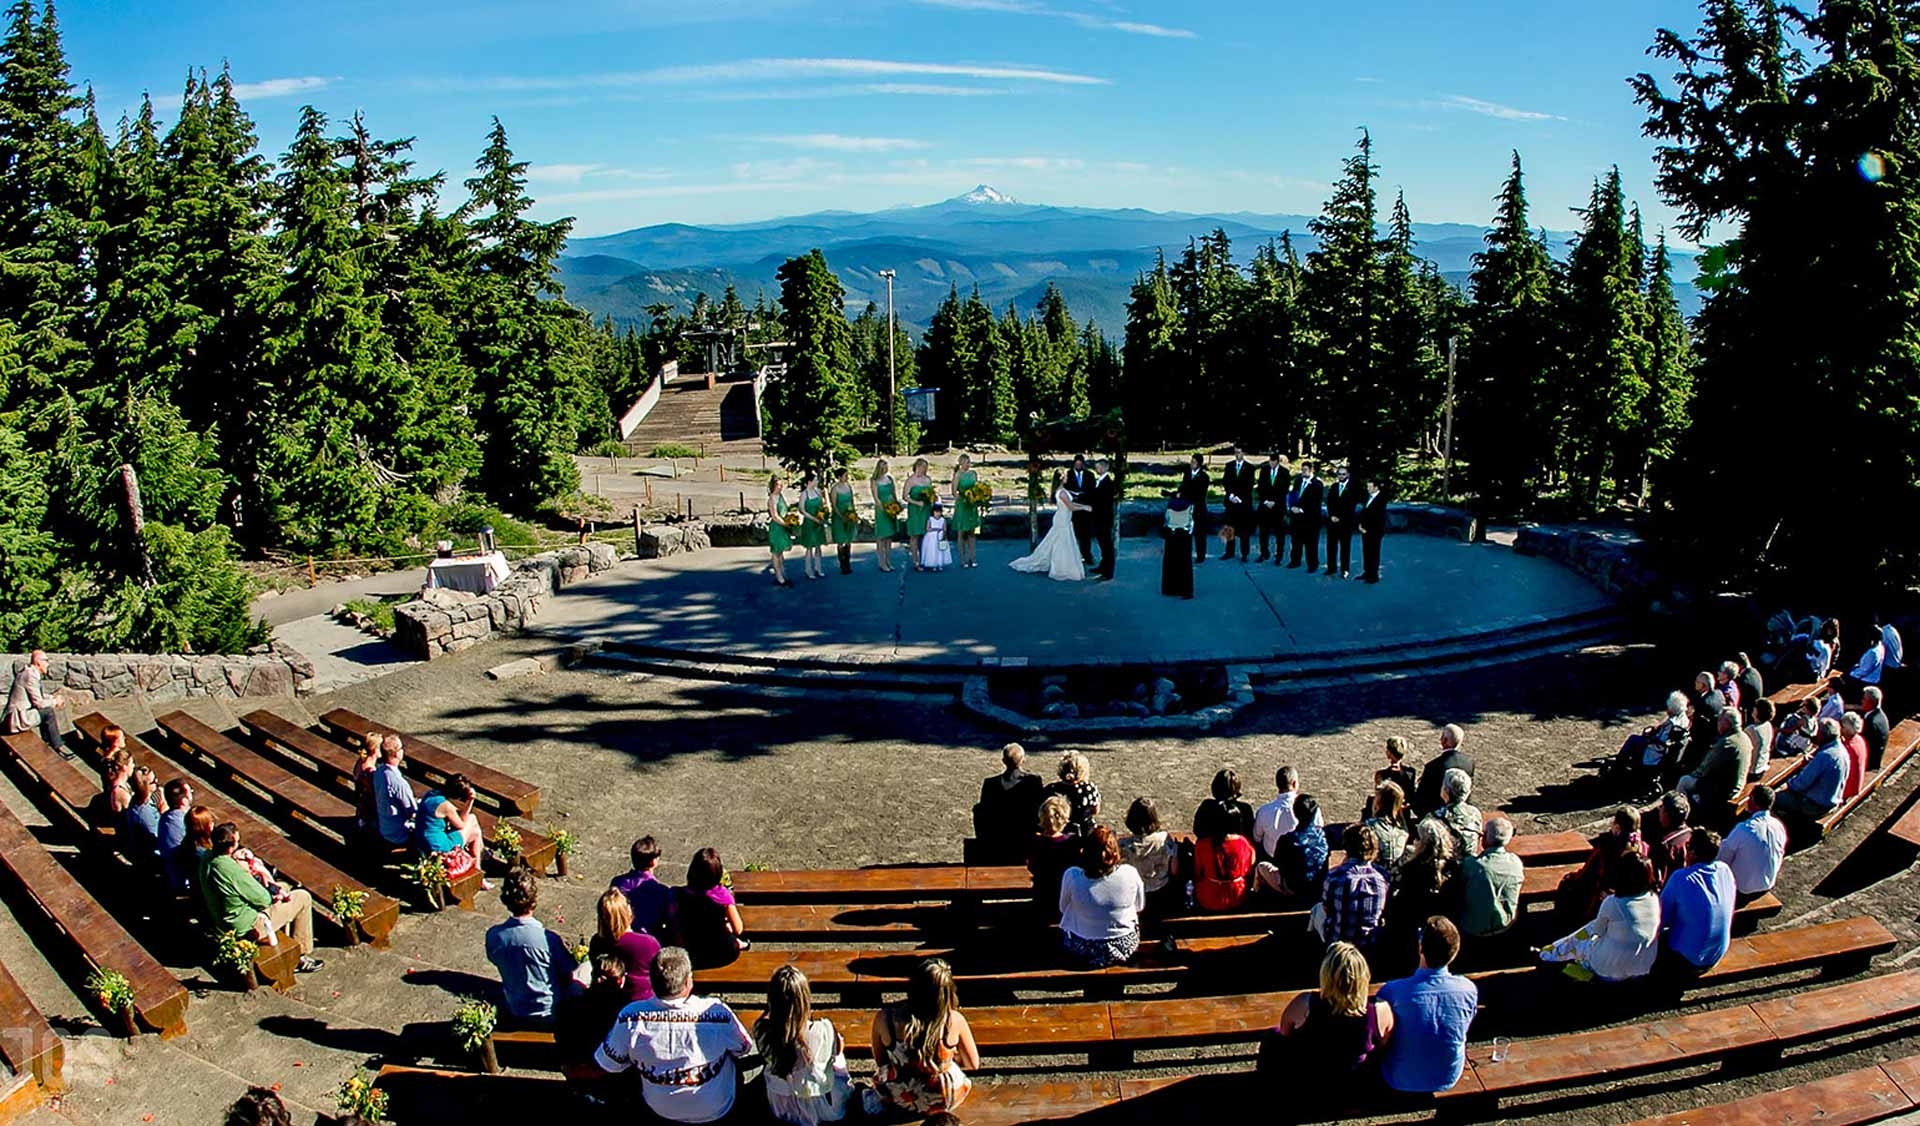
{"x": 1564, "y": 847}
{"x": 158, "y": 997}
{"x": 514, "y": 797}
{"x": 27, "y": 1042}
{"x": 1870, "y": 1094}
{"x": 73, "y": 791}
{"x": 336, "y": 762}
{"x": 1902, "y": 742}
{"x": 296, "y": 863}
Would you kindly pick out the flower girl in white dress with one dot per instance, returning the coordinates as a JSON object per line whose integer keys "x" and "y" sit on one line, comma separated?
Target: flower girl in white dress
{"x": 936, "y": 554}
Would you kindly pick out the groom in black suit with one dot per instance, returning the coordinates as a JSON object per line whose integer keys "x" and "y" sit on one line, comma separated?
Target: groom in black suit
{"x": 1080, "y": 483}
{"x": 1239, "y": 483}
{"x": 1101, "y": 498}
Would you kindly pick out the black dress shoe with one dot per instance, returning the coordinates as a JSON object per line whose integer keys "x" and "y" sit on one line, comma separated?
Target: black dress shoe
{"x": 1293, "y": 564}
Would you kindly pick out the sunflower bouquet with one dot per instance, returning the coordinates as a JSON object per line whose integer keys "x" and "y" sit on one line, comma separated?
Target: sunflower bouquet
{"x": 979, "y": 493}
{"x": 893, "y": 509}
{"x": 923, "y": 494}
{"x": 792, "y": 518}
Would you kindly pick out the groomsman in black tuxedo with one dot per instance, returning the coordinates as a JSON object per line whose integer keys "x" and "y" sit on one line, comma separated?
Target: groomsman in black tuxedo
{"x": 1080, "y": 483}
{"x": 1239, "y": 482}
{"x": 1102, "y": 497}
{"x": 1307, "y": 505}
{"x": 1193, "y": 490}
{"x": 1343, "y": 499}
{"x": 1276, "y": 482}
{"x": 1372, "y": 518}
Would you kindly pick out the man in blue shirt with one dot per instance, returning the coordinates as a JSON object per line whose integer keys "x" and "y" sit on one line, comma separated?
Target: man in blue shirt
{"x": 393, "y": 797}
{"x": 1696, "y": 911}
{"x": 177, "y": 868}
{"x": 536, "y": 968}
{"x": 1431, "y": 1012}
{"x": 1814, "y": 790}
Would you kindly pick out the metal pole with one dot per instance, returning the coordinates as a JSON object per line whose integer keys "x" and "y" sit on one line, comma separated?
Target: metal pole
{"x": 891, "y": 391}
{"x": 1446, "y": 472}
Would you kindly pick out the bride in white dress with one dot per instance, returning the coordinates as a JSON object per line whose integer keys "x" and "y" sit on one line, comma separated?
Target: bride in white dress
{"x": 1058, "y": 555}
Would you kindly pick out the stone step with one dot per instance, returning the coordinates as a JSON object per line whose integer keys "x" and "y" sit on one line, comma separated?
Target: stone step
{"x": 1423, "y": 651}
{"x": 851, "y": 678}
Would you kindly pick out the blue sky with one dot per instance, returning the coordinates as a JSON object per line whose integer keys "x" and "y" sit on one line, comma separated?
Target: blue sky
{"x": 642, "y": 111}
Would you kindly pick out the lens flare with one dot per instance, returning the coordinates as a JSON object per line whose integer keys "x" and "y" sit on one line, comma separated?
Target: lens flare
{"x": 1873, "y": 167}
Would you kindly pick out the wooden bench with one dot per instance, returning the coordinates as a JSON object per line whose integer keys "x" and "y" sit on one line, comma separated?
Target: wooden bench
{"x": 73, "y": 790}
{"x": 1872, "y": 1093}
{"x": 436, "y": 764}
{"x": 297, "y": 864}
{"x": 336, "y": 762}
{"x": 1611, "y": 1054}
{"x": 27, "y": 1042}
{"x": 158, "y": 997}
{"x": 1563, "y": 847}
{"x": 1902, "y": 742}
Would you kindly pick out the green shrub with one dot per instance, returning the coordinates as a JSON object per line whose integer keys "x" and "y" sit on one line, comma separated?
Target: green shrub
{"x": 379, "y": 612}
{"x": 674, "y": 450}
{"x": 612, "y": 447}
{"x": 461, "y": 522}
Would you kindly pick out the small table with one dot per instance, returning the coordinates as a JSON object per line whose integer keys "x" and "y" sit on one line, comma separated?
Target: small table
{"x": 477, "y": 574}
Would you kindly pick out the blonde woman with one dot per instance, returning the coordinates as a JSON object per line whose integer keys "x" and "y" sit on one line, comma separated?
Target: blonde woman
{"x": 885, "y": 528}
{"x": 923, "y": 1047}
{"x": 1329, "y": 1032}
{"x": 806, "y": 1063}
{"x": 779, "y": 533}
{"x": 966, "y": 514}
{"x": 1076, "y": 785}
{"x": 1053, "y": 848}
{"x": 635, "y": 949}
{"x": 920, "y": 496}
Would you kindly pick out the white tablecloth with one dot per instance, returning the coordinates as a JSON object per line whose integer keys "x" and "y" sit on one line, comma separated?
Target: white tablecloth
{"x": 478, "y": 574}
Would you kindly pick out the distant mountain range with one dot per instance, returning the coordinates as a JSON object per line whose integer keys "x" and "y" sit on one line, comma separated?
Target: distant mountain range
{"x": 983, "y": 237}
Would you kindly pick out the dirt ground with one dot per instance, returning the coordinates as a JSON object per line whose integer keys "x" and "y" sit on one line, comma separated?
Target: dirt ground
{"x": 791, "y": 779}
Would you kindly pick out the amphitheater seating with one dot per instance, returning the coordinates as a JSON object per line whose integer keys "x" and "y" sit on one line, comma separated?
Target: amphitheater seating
{"x": 1902, "y": 742}
{"x": 27, "y": 1042}
{"x": 302, "y": 867}
{"x": 1869, "y": 1094}
{"x": 514, "y": 797}
{"x": 288, "y": 793}
{"x": 159, "y": 999}
{"x": 71, "y": 789}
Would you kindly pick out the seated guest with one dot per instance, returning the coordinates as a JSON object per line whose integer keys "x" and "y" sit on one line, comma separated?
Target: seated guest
{"x": 1052, "y": 850}
{"x": 199, "y": 841}
{"x": 923, "y": 1048}
{"x": 805, "y": 1059}
{"x": 645, "y": 894}
{"x": 1276, "y": 818}
{"x": 1696, "y": 910}
{"x": 1669, "y": 852}
{"x": 1150, "y": 849}
{"x": 1869, "y": 668}
{"x": 1752, "y": 689}
{"x": 1753, "y": 851}
{"x": 1815, "y": 651}
{"x": 1580, "y": 892}
{"x": 1851, "y": 737}
{"x": 536, "y": 967}
{"x": 1426, "y": 797}
{"x": 1832, "y": 706}
{"x": 1490, "y": 882}
{"x": 1795, "y": 734}
{"x": 635, "y": 949}
{"x": 394, "y": 802}
{"x": 1299, "y": 865}
{"x": 1721, "y": 774}
{"x": 366, "y": 815}
{"x": 581, "y": 1021}
{"x": 702, "y": 918}
{"x": 1398, "y": 770}
{"x": 1003, "y": 816}
{"x": 1431, "y": 1011}
{"x": 1624, "y": 937}
{"x": 116, "y": 777}
{"x": 260, "y": 1106}
{"x": 1461, "y": 818}
{"x": 1814, "y": 790}
{"x": 1076, "y": 785}
{"x": 177, "y": 861}
{"x": 1708, "y": 703}
{"x": 444, "y": 826}
{"x": 682, "y": 1046}
{"x": 1100, "y": 904}
{"x": 1353, "y": 897}
{"x": 1655, "y": 753}
{"x": 1425, "y": 887}
{"x": 237, "y": 902}
{"x": 1726, "y": 681}
{"x": 1760, "y": 734}
{"x": 1222, "y": 868}
{"x": 1874, "y": 727}
{"x": 140, "y": 822}
{"x": 1386, "y": 815}
{"x": 1226, "y": 804}
{"x": 1328, "y": 1033}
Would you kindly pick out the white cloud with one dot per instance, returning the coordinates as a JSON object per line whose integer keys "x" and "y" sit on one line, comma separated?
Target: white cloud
{"x": 280, "y": 87}
{"x": 1084, "y": 19}
{"x": 1153, "y": 29}
{"x": 854, "y": 89}
{"x": 1025, "y": 163}
{"x": 560, "y": 173}
{"x": 774, "y": 69}
{"x": 840, "y": 142}
{"x": 1495, "y": 109}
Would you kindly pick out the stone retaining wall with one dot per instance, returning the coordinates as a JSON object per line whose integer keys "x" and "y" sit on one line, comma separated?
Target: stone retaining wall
{"x": 445, "y": 621}
{"x": 1614, "y": 559}
{"x": 84, "y": 678}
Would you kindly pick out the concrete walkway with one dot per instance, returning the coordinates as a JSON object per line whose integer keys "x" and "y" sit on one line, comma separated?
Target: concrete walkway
{"x": 304, "y": 602}
{"x": 341, "y": 654}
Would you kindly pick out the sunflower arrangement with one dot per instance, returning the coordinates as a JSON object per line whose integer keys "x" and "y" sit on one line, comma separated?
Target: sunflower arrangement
{"x": 893, "y": 509}
{"x": 979, "y": 493}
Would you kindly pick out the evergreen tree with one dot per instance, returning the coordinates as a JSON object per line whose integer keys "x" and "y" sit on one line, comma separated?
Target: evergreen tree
{"x": 812, "y": 408}
{"x": 1413, "y": 372}
{"x": 1663, "y": 415}
{"x": 1345, "y": 304}
{"x": 1275, "y": 398}
{"x": 870, "y": 358}
{"x": 1100, "y": 360}
{"x": 1604, "y": 315}
{"x": 944, "y": 360}
{"x": 1151, "y": 360}
{"x": 29, "y": 558}
{"x": 1210, "y": 294}
{"x": 987, "y": 400}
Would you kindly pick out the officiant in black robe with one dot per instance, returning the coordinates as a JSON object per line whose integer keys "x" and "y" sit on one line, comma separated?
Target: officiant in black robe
{"x": 1080, "y": 484}
{"x": 1176, "y": 557}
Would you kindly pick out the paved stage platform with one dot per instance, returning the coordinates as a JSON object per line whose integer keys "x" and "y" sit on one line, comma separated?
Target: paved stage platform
{"x": 722, "y": 602}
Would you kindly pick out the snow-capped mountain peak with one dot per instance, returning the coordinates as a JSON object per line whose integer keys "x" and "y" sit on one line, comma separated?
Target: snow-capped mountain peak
{"x": 983, "y": 193}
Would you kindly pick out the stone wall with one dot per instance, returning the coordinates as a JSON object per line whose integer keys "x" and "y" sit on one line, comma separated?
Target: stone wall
{"x": 446, "y": 621}
{"x": 1614, "y": 559}
{"x": 83, "y": 678}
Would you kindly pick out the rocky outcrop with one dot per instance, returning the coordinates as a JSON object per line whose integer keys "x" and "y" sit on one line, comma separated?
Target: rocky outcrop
{"x": 84, "y": 678}
{"x": 447, "y": 621}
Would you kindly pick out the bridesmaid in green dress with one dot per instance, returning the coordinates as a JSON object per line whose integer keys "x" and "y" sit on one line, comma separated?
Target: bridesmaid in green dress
{"x": 813, "y": 524}
{"x": 966, "y": 514}
{"x": 919, "y": 506}
{"x": 778, "y": 538}
{"x": 885, "y": 527}
{"x": 846, "y": 519}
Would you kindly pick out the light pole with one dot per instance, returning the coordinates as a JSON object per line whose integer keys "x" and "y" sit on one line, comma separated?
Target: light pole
{"x": 1446, "y": 471}
{"x": 892, "y": 393}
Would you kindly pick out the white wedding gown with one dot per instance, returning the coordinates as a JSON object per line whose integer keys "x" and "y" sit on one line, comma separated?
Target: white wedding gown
{"x": 1058, "y": 556}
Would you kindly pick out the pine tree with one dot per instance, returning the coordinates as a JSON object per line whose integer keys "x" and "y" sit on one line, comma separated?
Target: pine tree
{"x": 814, "y": 405}
{"x": 1151, "y": 360}
{"x": 1412, "y": 371}
{"x": 1210, "y": 294}
{"x": 28, "y": 552}
{"x": 945, "y": 361}
{"x": 1605, "y": 316}
{"x": 1663, "y": 414}
{"x": 1345, "y": 304}
{"x": 1101, "y": 362}
{"x": 1273, "y": 395}
{"x": 987, "y": 407}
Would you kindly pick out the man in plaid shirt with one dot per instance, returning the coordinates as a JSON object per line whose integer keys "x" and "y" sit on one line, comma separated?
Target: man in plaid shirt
{"x": 1354, "y": 897}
